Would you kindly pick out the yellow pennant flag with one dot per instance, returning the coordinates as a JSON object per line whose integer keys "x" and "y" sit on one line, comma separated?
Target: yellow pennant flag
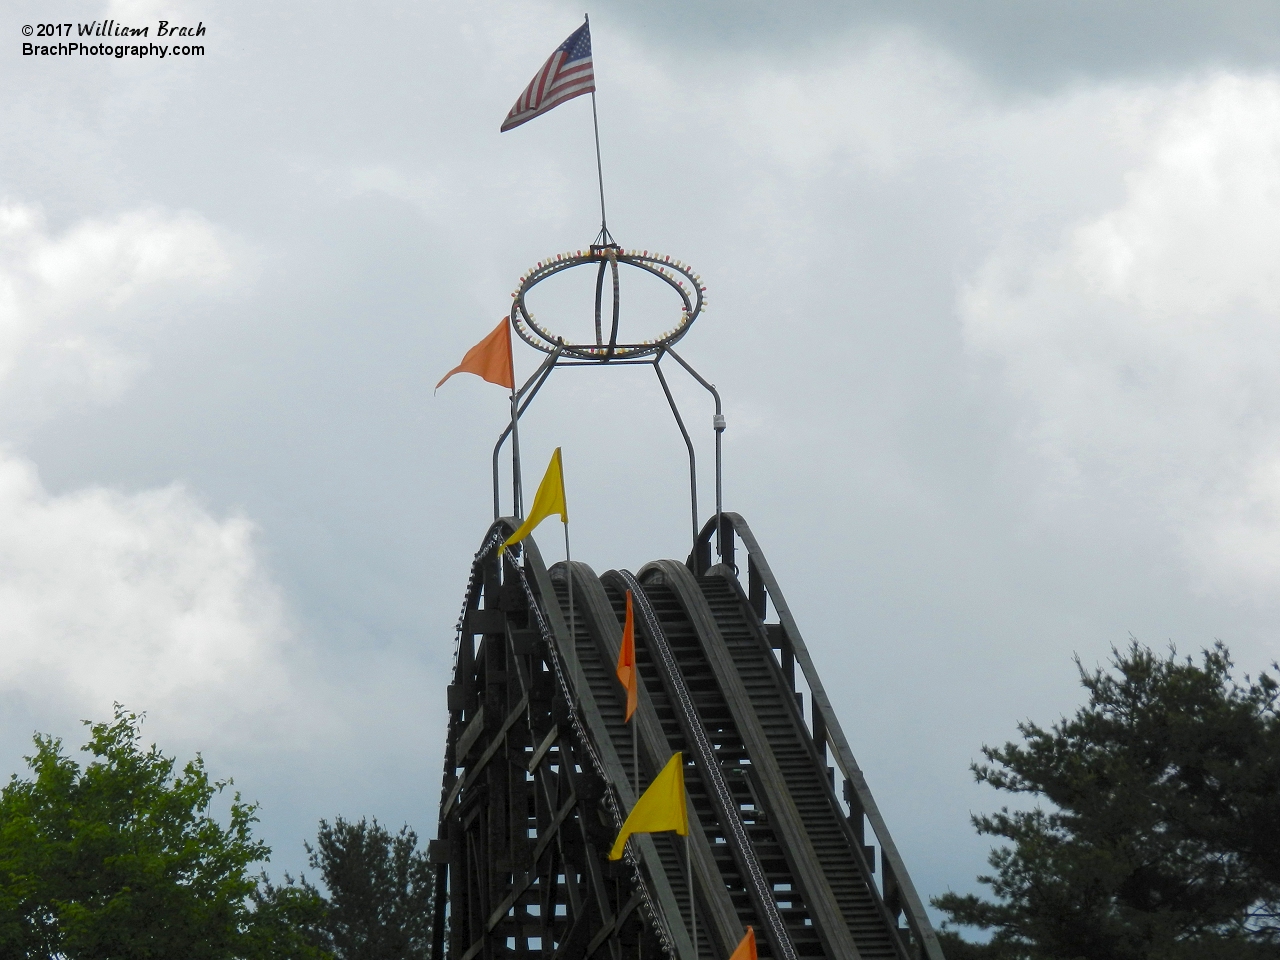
{"x": 659, "y": 808}
{"x": 746, "y": 947}
{"x": 548, "y": 500}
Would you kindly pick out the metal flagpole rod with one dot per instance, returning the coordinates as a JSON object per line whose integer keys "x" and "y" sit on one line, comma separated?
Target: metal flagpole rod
{"x": 605, "y": 236}
{"x": 517, "y": 491}
{"x": 524, "y": 397}
{"x": 693, "y": 909}
{"x": 595, "y": 121}
{"x": 635, "y": 678}
{"x": 568, "y": 568}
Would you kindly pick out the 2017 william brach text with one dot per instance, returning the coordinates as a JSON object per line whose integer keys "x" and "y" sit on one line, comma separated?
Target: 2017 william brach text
{"x": 110, "y": 28}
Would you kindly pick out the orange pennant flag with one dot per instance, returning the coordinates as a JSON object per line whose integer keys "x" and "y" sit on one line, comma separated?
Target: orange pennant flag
{"x": 627, "y": 674}
{"x": 746, "y": 947}
{"x": 490, "y": 359}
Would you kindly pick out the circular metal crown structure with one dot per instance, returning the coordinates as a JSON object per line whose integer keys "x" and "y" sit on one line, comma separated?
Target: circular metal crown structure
{"x": 676, "y": 274}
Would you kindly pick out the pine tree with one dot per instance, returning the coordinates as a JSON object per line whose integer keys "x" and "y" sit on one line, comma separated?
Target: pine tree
{"x": 380, "y": 887}
{"x": 1159, "y": 830}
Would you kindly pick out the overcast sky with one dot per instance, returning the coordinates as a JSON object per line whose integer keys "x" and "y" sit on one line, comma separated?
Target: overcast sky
{"x": 994, "y": 300}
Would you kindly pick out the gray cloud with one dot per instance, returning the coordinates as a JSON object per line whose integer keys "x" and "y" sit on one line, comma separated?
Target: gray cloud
{"x": 1019, "y": 45}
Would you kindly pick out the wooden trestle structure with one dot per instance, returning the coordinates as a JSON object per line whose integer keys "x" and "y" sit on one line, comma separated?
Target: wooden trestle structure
{"x": 785, "y": 835}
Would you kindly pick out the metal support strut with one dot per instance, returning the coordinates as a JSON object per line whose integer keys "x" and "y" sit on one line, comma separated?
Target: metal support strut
{"x": 718, "y": 424}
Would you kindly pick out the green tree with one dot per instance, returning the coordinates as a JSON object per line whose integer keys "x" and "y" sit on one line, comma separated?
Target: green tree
{"x": 122, "y": 859}
{"x": 380, "y": 891}
{"x": 956, "y": 947}
{"x": 1163, "y": 826}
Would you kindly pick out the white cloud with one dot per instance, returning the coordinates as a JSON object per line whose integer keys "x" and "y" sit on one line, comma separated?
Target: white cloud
{"x": 147, "y": 13}
{"x": 142, "y": 598}
{"x": 897, "y": 100}
{"x": 1145, "y": 344}
{"x": 71, "y": 304}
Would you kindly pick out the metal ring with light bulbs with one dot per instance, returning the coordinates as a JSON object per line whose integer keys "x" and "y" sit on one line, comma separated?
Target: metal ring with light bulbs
{"x": 678, "y": 275}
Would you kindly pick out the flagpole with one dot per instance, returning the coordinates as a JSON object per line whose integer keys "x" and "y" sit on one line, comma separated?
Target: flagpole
{"x": 693, "y": 909}
{"x": 604, "y": 230}
{"x": 517, "y": 488}
{"x": 568, "y": 569}
{"x": 517, "y": 485}
{"x": 595, "y": 121}
{"x": 635, "y": 679}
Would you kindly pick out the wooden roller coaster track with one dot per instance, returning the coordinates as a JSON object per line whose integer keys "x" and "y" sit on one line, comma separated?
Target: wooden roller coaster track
{"x": 785, "y": 835}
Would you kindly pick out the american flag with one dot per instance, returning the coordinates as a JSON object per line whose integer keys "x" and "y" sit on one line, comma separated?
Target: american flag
{"x": 567, "y": 74}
